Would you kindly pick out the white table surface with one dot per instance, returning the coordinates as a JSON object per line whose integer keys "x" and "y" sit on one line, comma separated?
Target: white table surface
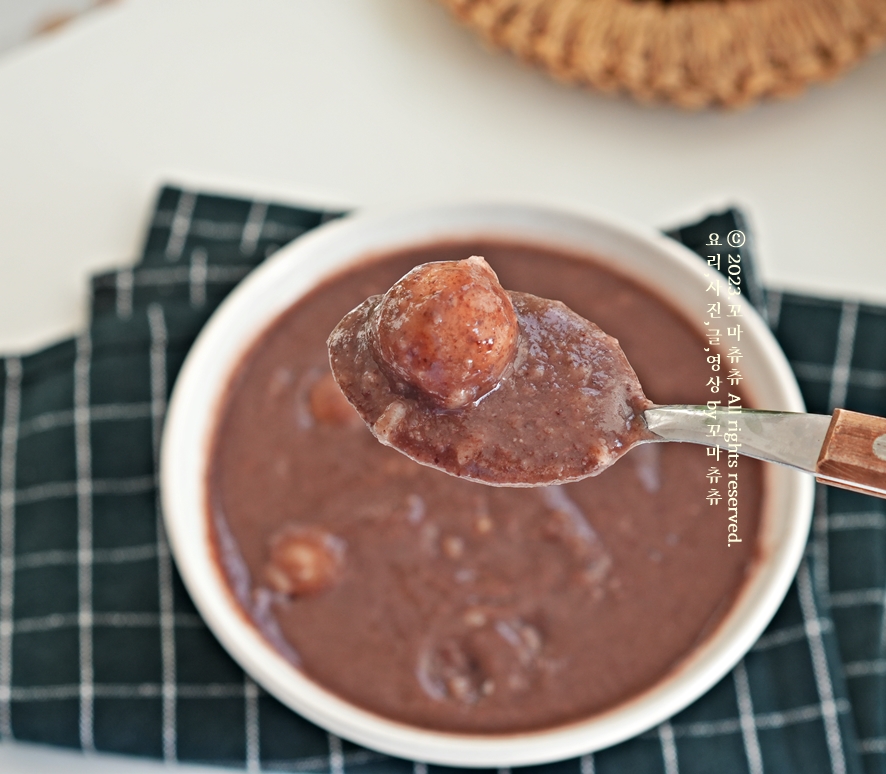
{"x": 378, "y": 103}
{"x": 20, "y": 20}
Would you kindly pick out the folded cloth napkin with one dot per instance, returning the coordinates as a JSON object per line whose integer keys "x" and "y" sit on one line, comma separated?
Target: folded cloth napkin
{"x": 101, "y": 648}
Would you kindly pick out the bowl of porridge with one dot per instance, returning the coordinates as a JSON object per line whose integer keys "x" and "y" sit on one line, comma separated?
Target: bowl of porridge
{"x": 439, "y": 619}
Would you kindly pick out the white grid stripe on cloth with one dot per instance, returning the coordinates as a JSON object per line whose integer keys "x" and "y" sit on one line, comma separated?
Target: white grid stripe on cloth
{"x": 35, "y": 559}
{"x": 788, "y": 635}
{"x": 668, "y": 748}
{"x": 696, "y": 730}
{"x": 130, "y": 691}
{"x": 44, "y": 623}
{"x": 59, "y": 489}
{"x": 875, "y": 746}
{"x": 336, "y": 758}
{"x": 869, "y": 378}
{"x": 746, "y": 718}
{"x": 103, "y": 412}
{"x": 821, "y": 671}
{"x": 856, "y": 598}
{"x": 773, "y": 308}
{"x": 843, "y": 355}
{"x": 586, "y": 764}
{"x": 819, "y": 545}
{"x": 252, "y": 228}
{"x": 860, "y": 520}
{"x": 839, "y": 380}
{"x": 882, "y": 621}
{"x": 419, "y": 768}
{"x": 797, "y": 715}
{"x": 181, "y": 225}
{"x": 8, "y": 447}
{"x": 157, "y": 327}
{"x": 123, "y": 301}
{"x": 765, "y": 720}
{"x": 865, "y": 668}
{"x": 840, "y": 373}
{"x": 197, "y": 277}
{"x": 225, "y": 232}
{"x": 83, "y": 455}
{"x": 253, "y": 735}
{"x": 166, "y": 276}
{"x": 317, "y": 763}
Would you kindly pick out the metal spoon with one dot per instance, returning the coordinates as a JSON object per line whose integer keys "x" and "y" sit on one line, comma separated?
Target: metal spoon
{"x": 847, "y": 450}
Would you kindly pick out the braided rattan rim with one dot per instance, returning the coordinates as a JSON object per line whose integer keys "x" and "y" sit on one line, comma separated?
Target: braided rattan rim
{"x": 694, "y": 53}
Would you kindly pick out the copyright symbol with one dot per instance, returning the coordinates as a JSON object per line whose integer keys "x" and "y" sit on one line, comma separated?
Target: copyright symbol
{"x": 735, "y": 238}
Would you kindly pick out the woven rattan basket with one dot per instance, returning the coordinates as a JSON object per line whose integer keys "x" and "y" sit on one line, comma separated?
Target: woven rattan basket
{"x": 693, "y": 53}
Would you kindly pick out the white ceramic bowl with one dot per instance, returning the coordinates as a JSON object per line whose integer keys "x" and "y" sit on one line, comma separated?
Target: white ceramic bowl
{"x": 655, "y": 261}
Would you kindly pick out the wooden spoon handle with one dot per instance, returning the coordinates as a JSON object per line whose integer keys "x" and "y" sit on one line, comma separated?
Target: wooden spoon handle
{"x": 853, "y": 455}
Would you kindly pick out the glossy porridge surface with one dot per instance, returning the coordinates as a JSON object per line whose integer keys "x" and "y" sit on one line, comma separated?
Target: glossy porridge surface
{"x": 449, "y": 604}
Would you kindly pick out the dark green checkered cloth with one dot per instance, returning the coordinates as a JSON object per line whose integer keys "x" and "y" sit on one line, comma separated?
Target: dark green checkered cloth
{"x": 101, "y": 648}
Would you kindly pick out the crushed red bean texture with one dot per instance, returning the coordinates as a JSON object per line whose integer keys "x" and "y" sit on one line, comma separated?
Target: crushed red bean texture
{"x": 555, "y": 400}
{"x": 448, "y": 604}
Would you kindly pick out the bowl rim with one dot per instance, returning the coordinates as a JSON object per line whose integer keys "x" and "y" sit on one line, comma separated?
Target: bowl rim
{"x": 324, "y": 252}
